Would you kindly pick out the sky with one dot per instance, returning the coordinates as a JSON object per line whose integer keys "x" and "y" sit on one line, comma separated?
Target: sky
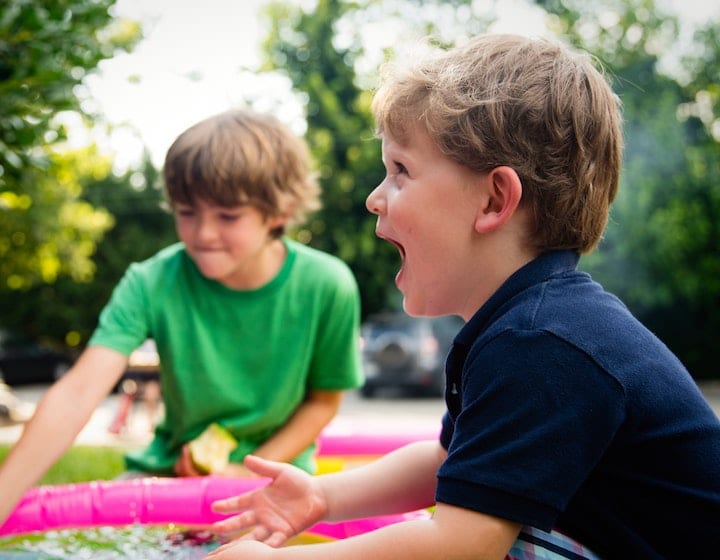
{"x": 185, "y": 69}
{"x": 198, "y": 57}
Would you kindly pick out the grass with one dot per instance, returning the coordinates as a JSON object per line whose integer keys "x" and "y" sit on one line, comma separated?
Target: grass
{"x": 82, "y": 464}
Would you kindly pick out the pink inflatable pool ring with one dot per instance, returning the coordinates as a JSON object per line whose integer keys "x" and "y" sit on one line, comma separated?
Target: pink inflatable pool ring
{"x": 339, "y": 440}
{"x": 152, "y": 501}
{"x": 187, "y": 501}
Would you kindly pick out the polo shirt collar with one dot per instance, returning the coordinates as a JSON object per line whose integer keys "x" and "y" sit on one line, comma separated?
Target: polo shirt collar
{"x": 535, "y": 272}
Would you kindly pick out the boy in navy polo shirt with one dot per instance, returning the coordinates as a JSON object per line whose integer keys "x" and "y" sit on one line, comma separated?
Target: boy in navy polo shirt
{"x": 564, "y": 412}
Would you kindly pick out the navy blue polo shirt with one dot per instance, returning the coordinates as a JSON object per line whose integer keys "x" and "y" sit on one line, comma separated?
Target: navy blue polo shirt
{"x": 565, "y": 412}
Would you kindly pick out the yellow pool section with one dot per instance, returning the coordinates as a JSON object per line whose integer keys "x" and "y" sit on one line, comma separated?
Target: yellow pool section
{"x": 334, "y": 463}
{"x": 307, "y": 538}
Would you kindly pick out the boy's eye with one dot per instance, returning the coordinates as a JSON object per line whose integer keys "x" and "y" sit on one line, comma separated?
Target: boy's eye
{"x": 184, "y": 212}
{"x": 229, "y": 216}
{"x": 400, "y": 168}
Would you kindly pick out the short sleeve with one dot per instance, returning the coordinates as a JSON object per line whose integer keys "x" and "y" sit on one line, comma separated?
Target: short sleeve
{"x": 336, "y": 363}
{"x": 124, "y": 321}
{"x": 537, "y": 415}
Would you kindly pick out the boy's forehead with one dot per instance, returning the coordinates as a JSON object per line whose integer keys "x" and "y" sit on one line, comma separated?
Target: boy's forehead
{"x": 415, "y": 138}
{"x": 392, "y": 149}
{"x": 387, "y": 141}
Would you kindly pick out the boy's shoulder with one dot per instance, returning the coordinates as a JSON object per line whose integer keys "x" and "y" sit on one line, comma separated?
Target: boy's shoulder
{"x": 550, "y": 295}
{"x": 323, "y": 267}
{"x": 311, "y": 256}
{"x": 164, "y": 260}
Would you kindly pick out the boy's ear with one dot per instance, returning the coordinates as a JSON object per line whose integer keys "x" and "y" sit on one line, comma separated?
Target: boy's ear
{"x": 503, "y": 191}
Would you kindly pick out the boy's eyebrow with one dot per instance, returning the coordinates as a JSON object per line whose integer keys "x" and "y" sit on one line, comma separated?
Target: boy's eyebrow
{"x": 388, "y": 158}
{"x": 392, "y": 150}
{"x": 402, "y": 154}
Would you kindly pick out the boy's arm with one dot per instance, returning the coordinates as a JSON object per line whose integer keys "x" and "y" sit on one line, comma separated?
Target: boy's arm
{"x": 400, "y": 481}
{"x": 451, "y": 533}
{"x": 300, "y": 431}
{"x": 403, "y": 480}
{"x": 61, "y": 414}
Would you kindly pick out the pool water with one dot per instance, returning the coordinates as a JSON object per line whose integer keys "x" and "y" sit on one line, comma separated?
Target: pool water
{"x": 135, "y": 542}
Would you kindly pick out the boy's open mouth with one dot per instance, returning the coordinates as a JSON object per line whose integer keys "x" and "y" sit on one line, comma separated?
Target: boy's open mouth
{"x": 397, "y": 245}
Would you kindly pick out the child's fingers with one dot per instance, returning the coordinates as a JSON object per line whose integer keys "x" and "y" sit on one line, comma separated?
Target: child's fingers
{"x": 262, "y": 467}
{"x": 234, "y": 524}
{"x": 276, "y": 539}
{"x": 233, "y": 504}
{"x": 262, "y": 534}
{"x": 184, "y": 465}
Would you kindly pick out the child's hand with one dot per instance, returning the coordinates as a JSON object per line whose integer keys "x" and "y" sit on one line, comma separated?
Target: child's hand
{"x": 291, "y": 503}
{"x": 184, "y": 465}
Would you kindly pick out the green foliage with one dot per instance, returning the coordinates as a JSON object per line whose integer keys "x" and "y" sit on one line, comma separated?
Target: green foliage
{"x": 82, "y": 464}
{"x": 47, "y": 230}
{"x": 66, "y": 311}
{"x": 143, "y": 227}
{"x": 46, "y": 49}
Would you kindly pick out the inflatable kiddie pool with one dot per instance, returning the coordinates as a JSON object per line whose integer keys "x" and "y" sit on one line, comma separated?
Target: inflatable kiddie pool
{"x": 187, "y": 501}
{"x": 342, "y": 445}
{"x": 153, "y": 501}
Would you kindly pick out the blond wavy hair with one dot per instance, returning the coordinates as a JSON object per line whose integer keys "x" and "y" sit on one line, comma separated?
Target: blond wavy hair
{"x": 527, "y": 103}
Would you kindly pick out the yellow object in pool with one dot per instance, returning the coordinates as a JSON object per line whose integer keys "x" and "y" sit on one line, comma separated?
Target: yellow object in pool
{"x": 210, "y": 451}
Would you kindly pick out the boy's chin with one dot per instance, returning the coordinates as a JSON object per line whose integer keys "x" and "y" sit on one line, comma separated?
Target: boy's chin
{"x": 209, "y": 273}
{"x": 412, "y": 309}
{"x": 213, "y": 274}
{"x": 210, "y": 267}
{"x": 418, "y": 307}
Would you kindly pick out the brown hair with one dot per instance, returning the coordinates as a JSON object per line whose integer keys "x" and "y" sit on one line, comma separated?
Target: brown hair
{"x": 240, "y": 157}
{"x": 530, "y": 104}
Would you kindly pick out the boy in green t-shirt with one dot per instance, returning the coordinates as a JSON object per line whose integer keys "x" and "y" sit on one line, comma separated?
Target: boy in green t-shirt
{"x": 255, "y": 332}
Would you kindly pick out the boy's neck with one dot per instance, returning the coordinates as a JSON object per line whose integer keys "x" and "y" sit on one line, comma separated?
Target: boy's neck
{"x": 498, "y": 256}
{"x": 261, "y": 270}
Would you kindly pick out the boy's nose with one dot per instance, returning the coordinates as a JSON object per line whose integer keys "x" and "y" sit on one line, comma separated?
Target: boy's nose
{"x": 375, "y": 202}
{"x": 205, "y": 230}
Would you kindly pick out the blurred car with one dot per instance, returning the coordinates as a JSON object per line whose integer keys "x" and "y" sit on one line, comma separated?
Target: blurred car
{"x": 24, "y": 361}
{"x": 406, "y": 353}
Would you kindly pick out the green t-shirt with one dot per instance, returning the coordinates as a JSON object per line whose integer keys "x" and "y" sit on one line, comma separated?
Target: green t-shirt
{"x": 243, "y": 359}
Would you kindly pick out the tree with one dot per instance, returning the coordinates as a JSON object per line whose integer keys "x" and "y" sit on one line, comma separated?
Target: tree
{"x": 65, "y": 311}
{"x": 48, "y": 230}
{"x": 46, "y": 49}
